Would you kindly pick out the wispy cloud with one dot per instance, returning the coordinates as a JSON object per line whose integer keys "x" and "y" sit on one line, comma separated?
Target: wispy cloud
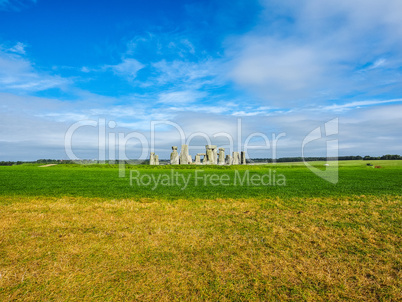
{"x": 166, "y": 44}
{"x": 358, "y": 104}
{"x": 127, "y": 68}
{"x": 377, "y": 63}
{"x": 18, "y": 48}
{"x": 18, "y": 74}
{"x": 315, "y": 53}
{"x": 15, "y": 5}
{"x": 190, "y": 73}
{"x": 181, "y": 97}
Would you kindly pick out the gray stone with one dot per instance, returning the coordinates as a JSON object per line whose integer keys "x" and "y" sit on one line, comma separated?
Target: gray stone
{"x": 211, "y": 155}
{"x": 236, "y": 158}
{"x": 183, "y": 158}
{"x": 243, "y": 157}
{"x": 228, "y": 159}
{"x": 203, "y": 161}
{"x": 174, "y": 156}
{"x": 209, "y": 158}
{"x": 221, "y": 156}
{"x": 156, "y": 160}
{"x": 152, "y": 159}
{"x": 197, "y": 159}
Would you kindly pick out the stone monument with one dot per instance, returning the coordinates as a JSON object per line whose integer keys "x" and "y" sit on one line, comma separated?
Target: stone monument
{"x": 221, "y": 156}
{"x": 152, "y": 159}
{"x": 211, "y": 155}
{"x": 236, "y": 158}
{"x": 197, "y": 160}
{"x": 243, "y": 157}
{"x": 174, "y": 156}
{"x": 183, "y": 158}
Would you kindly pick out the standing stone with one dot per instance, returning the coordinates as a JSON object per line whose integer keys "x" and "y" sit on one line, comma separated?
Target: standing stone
{"x": 183, "y": 159}
{"x": 221, "y": 156}
{"x": 190, "y": 160}
{"x": 152, "y": 159}
{"x": 243, "y": 157}
{"x": 215, "y": 151}
{"x": 156, "y": 160}
{"x": 197, "y": 160}
{"x": 228, "y": 159}
{"x": 209, "y": 157}
{"x": 203, "y": 161}
{"x": 174, "y": 156}
{"x": 211, "y": 154}
{"x": 236, "y": 158}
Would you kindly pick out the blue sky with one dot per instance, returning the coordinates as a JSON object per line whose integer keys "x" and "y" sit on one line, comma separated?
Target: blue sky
{"x": 278, "y": 66}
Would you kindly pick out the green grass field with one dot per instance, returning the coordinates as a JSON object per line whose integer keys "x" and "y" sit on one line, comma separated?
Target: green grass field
{"x": 71, "y": 232}
{"x": 103, "y": 181}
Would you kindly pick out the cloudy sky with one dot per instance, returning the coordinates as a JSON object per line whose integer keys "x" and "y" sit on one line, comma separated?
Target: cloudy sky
{"x": 211, "y": 70}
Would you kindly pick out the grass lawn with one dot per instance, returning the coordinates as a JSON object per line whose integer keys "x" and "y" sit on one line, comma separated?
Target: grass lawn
{"x": 355, "y": 178}
{"x": 83, "y": 233}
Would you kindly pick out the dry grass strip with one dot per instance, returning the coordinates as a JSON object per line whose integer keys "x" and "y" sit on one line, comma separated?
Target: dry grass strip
{"x": 319, "y": 249}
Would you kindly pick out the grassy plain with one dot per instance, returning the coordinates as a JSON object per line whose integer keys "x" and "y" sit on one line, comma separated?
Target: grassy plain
{"x": 81, "y": 232}
{"x": 103, "y": 181}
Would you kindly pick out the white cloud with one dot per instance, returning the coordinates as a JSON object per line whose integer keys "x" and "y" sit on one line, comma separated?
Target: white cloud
{"x": 188, "y": 46}
{"x": 39, "y": 125}
{"x": 223, "y": 109}
{"x": 127, "y": 68}
{"x": 378, "y": 63}
{"x": 358, "y": 104}
{"x": 249, "y": 113}
{"x": 18, "y": 74}
{"x": 186, "y": 73}
{"x": 317, "y": 51}
{"x": 85, "y": 69}
{"x": 278, "y": 69}
{"x": 18, "y": 48}
{"x": 180, "y": 97}
{"x": 389, "y": 115}
{"x": 15, "y": 5}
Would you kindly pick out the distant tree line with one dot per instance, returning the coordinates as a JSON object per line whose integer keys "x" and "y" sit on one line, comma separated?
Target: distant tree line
{"x": 67, "y": 161}
{"x": 165, "y": 161}
{"x": 39, "y": 161}
{"x": 9, "y": 163}
{"x": 384, "y": 157}
{"x": 300, "y": 159}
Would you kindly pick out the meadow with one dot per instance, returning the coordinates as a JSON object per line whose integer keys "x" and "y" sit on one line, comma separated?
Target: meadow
{"x": 74, "y": 232}
{"x": 103, "y": 181}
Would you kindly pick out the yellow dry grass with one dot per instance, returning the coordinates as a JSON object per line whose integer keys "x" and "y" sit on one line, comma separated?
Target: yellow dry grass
{"x": 319, "y": 249}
